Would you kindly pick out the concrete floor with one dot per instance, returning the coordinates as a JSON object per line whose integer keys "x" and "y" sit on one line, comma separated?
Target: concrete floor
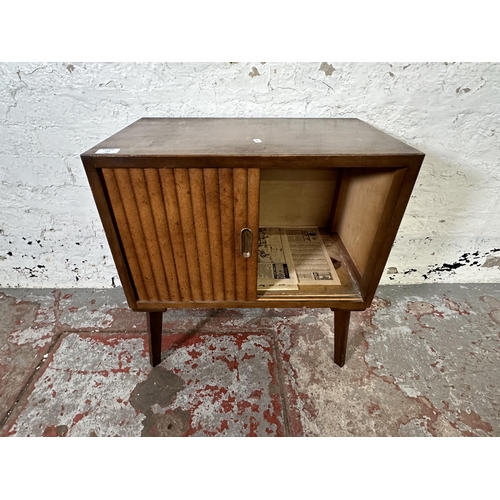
{"x": 422, "y": 361}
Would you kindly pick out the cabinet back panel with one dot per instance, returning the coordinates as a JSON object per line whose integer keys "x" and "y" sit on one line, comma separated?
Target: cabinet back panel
{"x": 296, "y": 197}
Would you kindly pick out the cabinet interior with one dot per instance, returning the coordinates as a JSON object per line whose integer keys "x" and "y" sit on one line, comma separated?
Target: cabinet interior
{"x": 348, "y": 205}
{"x": 296, "y": 197}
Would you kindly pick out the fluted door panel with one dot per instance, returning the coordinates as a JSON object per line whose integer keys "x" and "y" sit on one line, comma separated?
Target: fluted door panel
{"x": 180, "y": 231}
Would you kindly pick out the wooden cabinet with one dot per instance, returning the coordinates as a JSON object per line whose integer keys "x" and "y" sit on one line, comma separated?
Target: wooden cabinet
{"x": 182, "y": 200}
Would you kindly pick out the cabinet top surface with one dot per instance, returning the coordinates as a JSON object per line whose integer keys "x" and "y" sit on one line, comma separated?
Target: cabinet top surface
{"x": 251, "y": 137}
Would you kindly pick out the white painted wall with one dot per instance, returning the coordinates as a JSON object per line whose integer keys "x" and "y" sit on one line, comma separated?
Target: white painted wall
{"x": 50, "y": 233}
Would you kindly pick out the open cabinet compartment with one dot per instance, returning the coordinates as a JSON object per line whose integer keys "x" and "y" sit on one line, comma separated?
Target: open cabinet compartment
{"x": 351, "y": 206}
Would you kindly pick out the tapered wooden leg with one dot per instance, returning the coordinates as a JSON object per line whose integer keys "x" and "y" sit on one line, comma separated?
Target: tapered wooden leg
{"x": 341, "y": 330}
{"x": 155, "y": 320}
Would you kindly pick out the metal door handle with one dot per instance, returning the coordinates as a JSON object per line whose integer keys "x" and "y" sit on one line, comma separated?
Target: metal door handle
{"x": 246, "y": 242}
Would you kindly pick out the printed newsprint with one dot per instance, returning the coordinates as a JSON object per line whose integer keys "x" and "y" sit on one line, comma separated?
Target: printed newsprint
{"x": 275, "y": 268}
{"x": 310, "y": 257}
{"x": 289, "y": 257}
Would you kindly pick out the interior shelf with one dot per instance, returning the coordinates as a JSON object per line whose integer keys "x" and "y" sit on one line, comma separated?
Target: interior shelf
{"x": 349, "y": 284}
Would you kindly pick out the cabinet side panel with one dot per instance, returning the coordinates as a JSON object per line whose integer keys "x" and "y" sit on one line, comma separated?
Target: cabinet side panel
{"x": 188, "y": 230}
{"x": 200, "y": 217}
{"x": 226, "y": 192}
{"x": 401, "y": 189}
{"x": 240, "y": 185}
{"x": 144, "y": 208}
{"x": 360, "y": 211}
{"x": 161, "y": 230}
{"x": 253, "y": 225}
{"x": 175, "y": 231}
{"x": 130, "y": 228}
{"x": 211, "y": 181}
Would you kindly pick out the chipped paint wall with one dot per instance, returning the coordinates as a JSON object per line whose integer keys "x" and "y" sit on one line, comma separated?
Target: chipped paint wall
{"x": 50, "y": 233}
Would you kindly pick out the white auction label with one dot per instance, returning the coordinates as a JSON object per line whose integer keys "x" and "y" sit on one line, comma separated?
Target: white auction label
{"x": 107, "y": 151}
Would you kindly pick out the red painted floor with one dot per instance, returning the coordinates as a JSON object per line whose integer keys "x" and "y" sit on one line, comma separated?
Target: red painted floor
{"x": 423, "y": 361}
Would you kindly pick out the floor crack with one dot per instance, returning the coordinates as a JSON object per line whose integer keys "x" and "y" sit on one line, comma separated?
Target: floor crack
{"x": 35, "y": 374}
{"x": 281, "y": 384}
{"x": 58, "y": 333}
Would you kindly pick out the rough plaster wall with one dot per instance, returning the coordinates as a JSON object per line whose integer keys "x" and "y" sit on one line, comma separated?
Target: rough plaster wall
{"x": 50, "y": 233}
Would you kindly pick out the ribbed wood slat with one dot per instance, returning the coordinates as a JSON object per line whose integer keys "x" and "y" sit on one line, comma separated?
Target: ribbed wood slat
{"x": 211, "y": 180}
{"x": 240, "y": 186}
{"x": 199, "y": 204}
{"x": 175, "y": 231}
{"x": 136, "y": 232}
{"x": 182, "y": 188}
{"x": 160, "y": 220}
{"x": 124, "y": 231}
{"x": 144, "y": 208}
{"x": 181, "y": 231}
{"x": 226, "y": 192}
{"x": 253, "y": 225}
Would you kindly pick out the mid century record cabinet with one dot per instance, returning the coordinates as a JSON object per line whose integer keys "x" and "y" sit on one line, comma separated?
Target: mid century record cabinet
{"x": 182, "y": 199}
